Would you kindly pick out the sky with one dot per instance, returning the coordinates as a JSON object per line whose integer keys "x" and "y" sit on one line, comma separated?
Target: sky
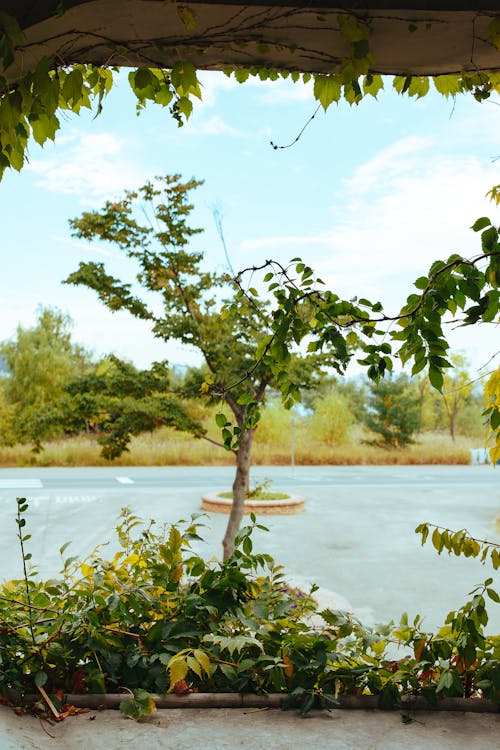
{"x": 369, "y": 197}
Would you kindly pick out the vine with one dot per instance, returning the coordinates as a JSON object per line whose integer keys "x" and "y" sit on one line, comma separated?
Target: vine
{"x": 31, "y": 99}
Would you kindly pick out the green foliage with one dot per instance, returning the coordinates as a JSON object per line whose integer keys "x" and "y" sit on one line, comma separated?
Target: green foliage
{"x": 393, "y": 412}
{"x": 460, "y": 543}
{"x": 233, "y": 334}
{"x": 40, "y": 361}
{"x": 492, "y": 412}
{"x": 140, "y": 706}
{"x": 30, "y": 106}
{"x": 331, "y": 419}
{"x": 156, "y": 618}
{"x": 456, "y": 289}
{"x": 118, "y": 401}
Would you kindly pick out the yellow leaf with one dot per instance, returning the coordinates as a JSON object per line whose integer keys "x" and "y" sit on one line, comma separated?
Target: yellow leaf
{"x": 131, "y": 559}
{"x": 176, "y": 574}
{"x": 193, "y": 665}
{"x": 187, "y": 16}
{"x": 495, "y": 451}
{"x": 87, "y": 570}
{"x": 178, "y": 669}
{"x": 203, "y": 660}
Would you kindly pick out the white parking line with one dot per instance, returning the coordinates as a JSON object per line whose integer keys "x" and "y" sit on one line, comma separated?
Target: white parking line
{"x": 124, "y": 480}
{"x": 19, "y": 484}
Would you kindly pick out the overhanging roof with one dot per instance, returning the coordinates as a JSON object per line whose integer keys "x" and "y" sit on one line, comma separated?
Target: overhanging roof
{"x": 407, "y": 37}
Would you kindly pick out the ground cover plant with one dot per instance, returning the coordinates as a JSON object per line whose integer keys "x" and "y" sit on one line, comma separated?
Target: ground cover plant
{"x": 155, "y": 617}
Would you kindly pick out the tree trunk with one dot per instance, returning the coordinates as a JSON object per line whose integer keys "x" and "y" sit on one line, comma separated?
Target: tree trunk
{"x": 240, "y": 490}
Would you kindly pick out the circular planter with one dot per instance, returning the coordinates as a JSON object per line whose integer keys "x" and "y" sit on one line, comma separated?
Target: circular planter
{"x": 292, "y": 504}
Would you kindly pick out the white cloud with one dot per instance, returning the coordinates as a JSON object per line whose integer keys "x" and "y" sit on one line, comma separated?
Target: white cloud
{"x": 398, "y": 159}
{"x": 212, "y": 126}
{"x": 93, "y": 166}
{"x": 285, "y": 91}
{"x": 399, "y": 211}
{"x": 213, "y": 82}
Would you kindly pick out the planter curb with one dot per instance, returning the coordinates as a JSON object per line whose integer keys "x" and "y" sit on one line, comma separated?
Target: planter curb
{"x": 272, "y": 700}
{"x": 293, "y": 504}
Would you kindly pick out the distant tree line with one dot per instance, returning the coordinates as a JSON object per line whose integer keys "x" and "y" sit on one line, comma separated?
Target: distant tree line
{"x": 51, "y": 387}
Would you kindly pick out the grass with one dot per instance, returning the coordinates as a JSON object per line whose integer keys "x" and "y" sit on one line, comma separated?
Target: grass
{"x": 166, "y": 447}
{"x": 261, "y": 496}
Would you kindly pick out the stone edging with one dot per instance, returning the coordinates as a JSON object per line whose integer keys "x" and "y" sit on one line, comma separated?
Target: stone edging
{"x": 292, "y": 504}
{"x": 270, "y": 700}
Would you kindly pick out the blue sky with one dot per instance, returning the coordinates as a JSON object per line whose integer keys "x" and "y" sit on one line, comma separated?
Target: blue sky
{"x": 370, "y": 195}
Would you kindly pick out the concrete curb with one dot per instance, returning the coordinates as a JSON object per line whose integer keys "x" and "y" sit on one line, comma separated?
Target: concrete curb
{"x": 271, "y": 700}
{"x": 292, "y": 504}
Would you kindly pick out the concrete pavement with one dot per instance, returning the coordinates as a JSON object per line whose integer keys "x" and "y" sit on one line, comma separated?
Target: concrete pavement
{"x": 356, "y": 536}
{"x": 230, "y": 729}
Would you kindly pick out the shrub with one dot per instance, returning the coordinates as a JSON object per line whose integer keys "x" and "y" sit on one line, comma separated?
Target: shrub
{"x": 158, "y": 618}
{"x": 331, "y": 420}
{"x": 393, "y": 412}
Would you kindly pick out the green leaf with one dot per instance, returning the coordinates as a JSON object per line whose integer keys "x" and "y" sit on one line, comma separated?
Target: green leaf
{"x": 489, "y": 239}
{"x": 221, "y": 420}
{"x": 164, "y": 96}
{"x": 493, "y": 595}
{"x": 241, "y": 75}
{"x": 421, "y": 282}
{"x": 64, "y": 547}
{"x": 447, "y": 85}
{"x": 327, "y": 89}
{"x": 184, "y": 79}
{"x": 436, "y": 378}
{"x": 178, "y": 669}
{"x": 40, "y": 678}
{"x": 481, "y": 224}
{"x": 72, "y": 89}
{"x": 142, "y": 79}
{"x": 352, "y": 29}
{"x": 372, "y": 84}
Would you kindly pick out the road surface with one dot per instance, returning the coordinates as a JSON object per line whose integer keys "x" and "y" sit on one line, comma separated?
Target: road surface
{"x": 356, "y": 536}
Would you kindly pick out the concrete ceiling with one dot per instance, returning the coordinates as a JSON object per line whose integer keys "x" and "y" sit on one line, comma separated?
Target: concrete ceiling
{"x": 418, "y": 38}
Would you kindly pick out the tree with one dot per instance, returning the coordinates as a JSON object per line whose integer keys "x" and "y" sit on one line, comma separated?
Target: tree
{"x": 459, "y": 289}
{"x": 457, "y": 388}
{"x": 116, "y": 401}
{"x": 40, "y": 362}
{"x": 234, "y": 342}
{"x": 332, "y": 417}
{"x": 393, "y": 412}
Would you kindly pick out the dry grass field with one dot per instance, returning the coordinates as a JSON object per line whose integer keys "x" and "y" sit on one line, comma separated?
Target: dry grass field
{"x": 166, "y": 447}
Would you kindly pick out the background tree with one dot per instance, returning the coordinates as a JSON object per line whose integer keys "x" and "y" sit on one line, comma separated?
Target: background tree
{"x": 393, "y": 412}
{"x": 332, "y": 417}
{"x": 40, "y": 361}
{"x": 457, "y": 390}
{"x": 234, "y": 343}
{"x": 117, "y": 401}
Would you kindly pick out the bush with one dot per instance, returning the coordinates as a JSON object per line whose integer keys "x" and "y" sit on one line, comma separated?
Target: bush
{"x": 393, "y": 412}
{"x": 331, "y": 420}
{"x": 158, "y": 618}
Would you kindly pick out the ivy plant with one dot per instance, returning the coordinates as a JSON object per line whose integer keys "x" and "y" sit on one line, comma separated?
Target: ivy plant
{"x": 154, "y": 617}
{"x": 31, "y": 102}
